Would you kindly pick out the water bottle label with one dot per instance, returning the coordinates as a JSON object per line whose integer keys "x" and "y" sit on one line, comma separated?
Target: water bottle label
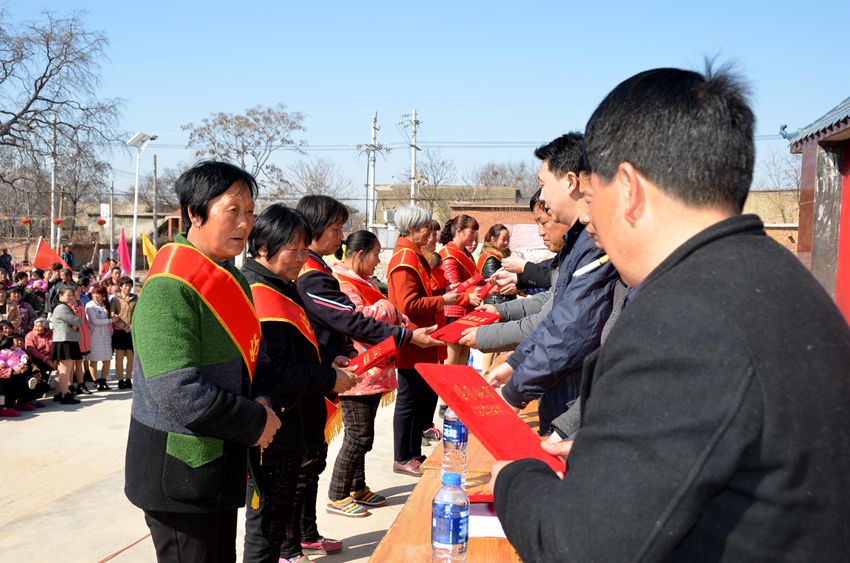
{"x": 455, "y": 431}
{"x": 449, "y": 524}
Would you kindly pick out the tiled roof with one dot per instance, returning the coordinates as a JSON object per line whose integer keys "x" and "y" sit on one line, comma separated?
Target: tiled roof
{"x": 833, "y": 116}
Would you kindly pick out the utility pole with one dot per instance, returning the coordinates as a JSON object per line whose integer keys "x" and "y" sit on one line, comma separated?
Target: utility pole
{"x": 155, "y": 222}
{"x": 413, "y": 149}
{"x": 111, "y": 218}
{"x": 53, "y": 189}
{"x": 372, "y": 149}
{"x": 59, "y": 230}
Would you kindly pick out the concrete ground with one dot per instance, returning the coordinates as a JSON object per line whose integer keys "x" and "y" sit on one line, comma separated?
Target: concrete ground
{"x": 62, "y": 479}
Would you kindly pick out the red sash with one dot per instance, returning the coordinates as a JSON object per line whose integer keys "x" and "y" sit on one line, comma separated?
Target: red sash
{"x": 408, "y": 258}
{"x": 274, "y": 306}
{"x": 452, "y": 251}
{"x": 366, "y": 290}
{"x": 217, "y": 287}
{"x": 313, "y": 265}
{"x": 485, "y": 254}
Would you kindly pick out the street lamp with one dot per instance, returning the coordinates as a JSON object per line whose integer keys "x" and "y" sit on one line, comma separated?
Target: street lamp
{"x": 139, "y": 141}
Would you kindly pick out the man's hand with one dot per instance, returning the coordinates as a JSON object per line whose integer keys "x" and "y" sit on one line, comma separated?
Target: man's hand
{"x": 503, "y": 277}
{"x": 272, "y": 426}
{"x": 487, "y": 308}
{"x": 422, "y": 337}
{"x": 345, "y": 380}
{"x": 474, "y": 299}
{"x": 494, "y": 472}
{"x": 467, "y": 337}
{"x": 558, "y": 448}
{"x": 450, "y": 298}
{"x": 509, "y": 289}
{"x": 514, "y": 264}
{"x": 500, "y": 375}
{"x": 510, "y": 406}
{"x": 340, "y": 362}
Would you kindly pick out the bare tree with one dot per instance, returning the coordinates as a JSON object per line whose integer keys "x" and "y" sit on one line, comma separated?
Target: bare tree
{"x": 780, "y": 174}
{"x": 521, "y": 175}
{"x": 434, "y": 174}
{"x": 248, "y": 140}
{"x": 49, "y": 74}
{"x": 82, "y": 176}
{"x": 315, "y": 176}
{"x": 165, "y": 193}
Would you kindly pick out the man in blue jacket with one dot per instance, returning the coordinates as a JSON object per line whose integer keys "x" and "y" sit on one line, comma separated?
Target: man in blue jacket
{"x": 547, "y": 363}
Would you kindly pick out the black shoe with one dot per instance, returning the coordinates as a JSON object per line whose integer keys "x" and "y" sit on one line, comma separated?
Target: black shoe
{"x": 121, "y": 384}
{"x": 128, "y": 384}
{"x": 72, "y": 388}
{"x": 82, "y": 389}
{"x": 102, "y": 386}
{"x": 57, "y": 397}
{"x": 69, "y": 399}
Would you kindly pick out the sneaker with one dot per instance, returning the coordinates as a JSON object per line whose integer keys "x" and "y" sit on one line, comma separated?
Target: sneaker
{"x": 366, "y": 497}
{"x": 121, "y": 384}
{"x": 322, "y": 545}
{"x": 128, "y": 383}
{"x": 347, "y": 507}
{"x": 82, "y": 388}
{"x": 9, "y": 412}
{"x": 68, "y": 399}
{"x": 296, "y": 559}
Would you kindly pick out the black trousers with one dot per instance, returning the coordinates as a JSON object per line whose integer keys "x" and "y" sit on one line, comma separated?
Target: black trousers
{"x": 414, "y": 413}
{"x": 358, "y": 418}
{"x": 314, "y": 463}
{"x": 193, "y": 538}
{"x": 266, "y": 528}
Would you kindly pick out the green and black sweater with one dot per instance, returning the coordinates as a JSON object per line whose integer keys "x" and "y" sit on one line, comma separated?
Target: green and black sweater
{"x": 191, "y": 418}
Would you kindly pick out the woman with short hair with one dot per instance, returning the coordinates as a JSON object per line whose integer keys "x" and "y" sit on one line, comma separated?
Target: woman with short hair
{"x": 100, "y": 323}
{"x": 121, "y": 309}
{"x": 197, "y": 340}
{"x": 66, "y": 344}
{"x": 411, "y": 291}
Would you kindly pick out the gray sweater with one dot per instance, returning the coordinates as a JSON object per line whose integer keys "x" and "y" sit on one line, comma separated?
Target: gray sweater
{"x": 66, "y": 324}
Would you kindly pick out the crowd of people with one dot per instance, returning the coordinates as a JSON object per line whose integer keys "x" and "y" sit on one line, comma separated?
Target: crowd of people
{"x": 660, "y": 341}
{"x": 56, "y": 329}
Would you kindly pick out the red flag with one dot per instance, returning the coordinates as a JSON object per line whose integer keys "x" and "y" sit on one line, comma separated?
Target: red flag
{"x": 124, "y": 255}
{"x": 45, "y": 256}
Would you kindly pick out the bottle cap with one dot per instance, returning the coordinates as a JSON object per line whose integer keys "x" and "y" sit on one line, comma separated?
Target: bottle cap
{"x": 451, "y": 479}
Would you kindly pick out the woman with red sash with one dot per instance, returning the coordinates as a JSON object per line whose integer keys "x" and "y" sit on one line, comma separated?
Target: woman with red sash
{"x": 302, "y": 372}
{"x": 197, "y": 341}
{"x": 495, "y": 249}
{"x": 354, "y": 268}
{"x": 458, "y": 266}
{"x": 412, "y": 293}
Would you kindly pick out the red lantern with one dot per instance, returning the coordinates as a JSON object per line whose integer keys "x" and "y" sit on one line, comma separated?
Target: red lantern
{"x": 57, "y": 221}
{"x": 26, "y": 220}
{"x": 101, "y": 221}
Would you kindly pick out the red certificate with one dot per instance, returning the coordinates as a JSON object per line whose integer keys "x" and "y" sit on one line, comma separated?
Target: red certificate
{"x": 487, "y": 415}
{"x": 465, "y": 285}
{"x": 451, "y": 333}
{"x": 377, "y": 354}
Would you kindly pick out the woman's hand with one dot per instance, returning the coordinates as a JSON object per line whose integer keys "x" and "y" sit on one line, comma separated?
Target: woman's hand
{"x": 474, "y": 299}
{"x": 451, "y": 298}
{"x": 340, "y": 362}
{"x": 345, "y": 380}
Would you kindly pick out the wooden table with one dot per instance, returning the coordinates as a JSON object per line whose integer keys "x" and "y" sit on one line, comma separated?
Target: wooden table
{"x": 409, "y": 538}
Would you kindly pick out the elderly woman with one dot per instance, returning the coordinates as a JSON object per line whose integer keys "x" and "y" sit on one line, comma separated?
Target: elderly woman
{"x": 410, "y": 290}
{"x": 197, "y": 342}
{"x": 295, "y": 386}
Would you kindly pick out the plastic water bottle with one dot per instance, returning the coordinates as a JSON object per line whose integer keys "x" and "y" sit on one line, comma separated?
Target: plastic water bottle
{"x": 455, "y": 438}
{"x": 449, "y": 521}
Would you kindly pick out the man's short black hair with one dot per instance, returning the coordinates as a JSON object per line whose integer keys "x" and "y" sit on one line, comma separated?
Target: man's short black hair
{"x": 321, "y": 212}
{"x": 535, "y": 200}
{"x": 690, "y": 134}
{"x": 204, "y": 182}
{"x": 275, "y": 227}
{"x": 564, "y": 154}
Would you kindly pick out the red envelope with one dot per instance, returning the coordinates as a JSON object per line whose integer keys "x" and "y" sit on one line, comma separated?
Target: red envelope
{"x": 473, "y": 281}
{"x": 451, "y": 333}
{"x": 483, "y": 290}
{"x": 486, "y": 414}
{"x": 375, "y": 355}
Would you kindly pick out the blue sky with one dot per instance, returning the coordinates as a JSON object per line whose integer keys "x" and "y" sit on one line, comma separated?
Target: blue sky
{"x": 513, "y": 72}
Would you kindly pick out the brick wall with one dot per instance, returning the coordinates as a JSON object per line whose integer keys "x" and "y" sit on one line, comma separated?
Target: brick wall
{"x": 516, "y": 217}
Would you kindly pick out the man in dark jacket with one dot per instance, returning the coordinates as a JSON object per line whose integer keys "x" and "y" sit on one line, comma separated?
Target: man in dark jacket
{"x": 714, "y": 424}
{"x": 547, "y": 363}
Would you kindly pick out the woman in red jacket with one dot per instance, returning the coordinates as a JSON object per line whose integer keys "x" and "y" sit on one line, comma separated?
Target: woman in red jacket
{"x": 411, "y": 291}
{"x": 458, "y": 266}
